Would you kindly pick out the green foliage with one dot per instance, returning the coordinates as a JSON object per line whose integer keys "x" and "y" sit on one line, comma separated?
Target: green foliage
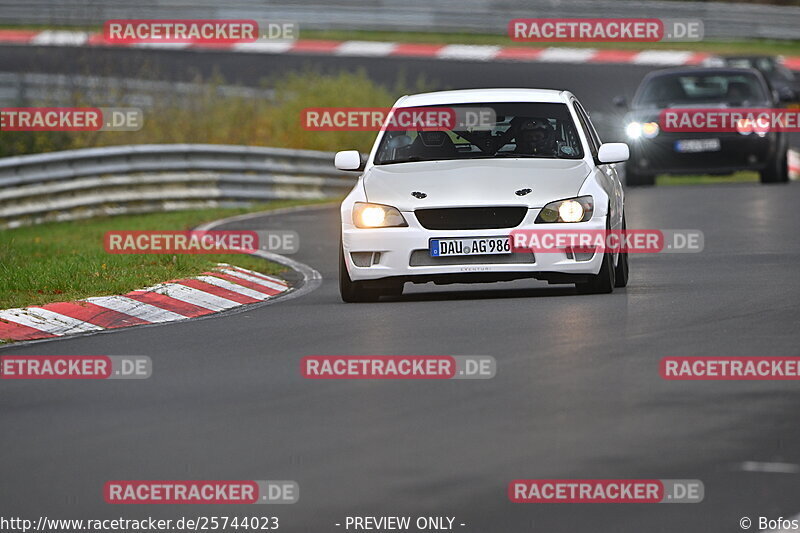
{"x": 207, "y": 117}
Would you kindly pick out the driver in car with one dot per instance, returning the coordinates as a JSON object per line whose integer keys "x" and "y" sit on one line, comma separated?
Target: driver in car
{"x": 536, "y": 136}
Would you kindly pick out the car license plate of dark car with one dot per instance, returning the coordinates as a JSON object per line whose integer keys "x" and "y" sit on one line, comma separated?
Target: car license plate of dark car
{"x": 698, "y": 145}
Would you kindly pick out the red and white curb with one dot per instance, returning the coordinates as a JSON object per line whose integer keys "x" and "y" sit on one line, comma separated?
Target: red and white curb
{"x": 223, "y": 288}
{"x": 451, "y": 52}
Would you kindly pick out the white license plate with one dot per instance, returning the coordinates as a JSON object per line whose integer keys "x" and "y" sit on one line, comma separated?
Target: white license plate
{"x": 470, "y": 246}
{"x": 698, "y": 145}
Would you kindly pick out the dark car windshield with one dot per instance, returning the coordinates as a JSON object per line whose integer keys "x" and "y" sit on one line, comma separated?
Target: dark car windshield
{"x": 532, "y": 130}
{"x": 768, "y": 66}
{"x": 671, "y": 90}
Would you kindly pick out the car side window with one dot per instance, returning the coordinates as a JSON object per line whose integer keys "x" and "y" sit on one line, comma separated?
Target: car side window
{"x": 587, "y": 129}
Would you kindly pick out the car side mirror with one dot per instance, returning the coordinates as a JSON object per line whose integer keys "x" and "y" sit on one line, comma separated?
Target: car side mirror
{"x": 620, "y": 101}
{"x": 348, "y": 160}
{"x": 613, "y": 153}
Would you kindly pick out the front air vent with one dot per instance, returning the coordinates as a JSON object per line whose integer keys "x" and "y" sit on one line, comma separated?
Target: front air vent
{"x": 423, "y": 258}
{"x": 471, "y": 217}
{"x": 365, "y": 259}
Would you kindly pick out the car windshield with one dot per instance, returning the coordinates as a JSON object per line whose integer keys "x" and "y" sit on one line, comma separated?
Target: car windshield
{"x": 523, "y": 130}
{"x": 698, "y": 89}
{"x": 768, "y": 66}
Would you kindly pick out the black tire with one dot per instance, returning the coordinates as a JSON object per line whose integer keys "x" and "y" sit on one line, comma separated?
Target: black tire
{"x": 603, "y": 281}
{"x": 354, "y": 291}
{"x": 778, "y": 170}
{"x": 623, "y": 267}
{"x": 363, "y": 291}
{"x": 635, "y": 179}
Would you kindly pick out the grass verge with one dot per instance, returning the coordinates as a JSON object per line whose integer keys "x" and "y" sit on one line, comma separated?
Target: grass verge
{"x": 206, "y": 117}
{"x": 738, "y": 177}
{"x": 65, "y": 261}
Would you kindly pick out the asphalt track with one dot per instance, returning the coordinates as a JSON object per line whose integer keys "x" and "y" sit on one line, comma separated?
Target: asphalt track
{"x": 577, "y": 392}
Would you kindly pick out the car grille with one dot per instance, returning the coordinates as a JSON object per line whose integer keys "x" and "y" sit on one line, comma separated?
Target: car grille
{"x": 471, "y": 217}
{"x": 423, "y": 258}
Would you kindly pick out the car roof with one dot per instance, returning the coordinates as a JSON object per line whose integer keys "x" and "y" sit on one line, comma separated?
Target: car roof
{"x": 701, "y": 71}
{"x": 751, "y": 57}
{"x": 697, "y": 71}
{"x": 478, "y": 96}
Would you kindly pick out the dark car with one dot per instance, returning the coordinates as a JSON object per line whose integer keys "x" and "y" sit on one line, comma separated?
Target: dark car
{"x": 780, "y": 78}
{"x": 655, "y": 151}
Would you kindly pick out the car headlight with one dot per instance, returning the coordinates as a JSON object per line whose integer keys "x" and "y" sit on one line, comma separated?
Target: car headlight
{"x": 746, "y": 126}
{"x": 633, "y": 130}
{"x": 637, "y": 130}
{"x": 650, "y": 129}
{"x": 377, "y": 216}
{"x": 570, "y": 210}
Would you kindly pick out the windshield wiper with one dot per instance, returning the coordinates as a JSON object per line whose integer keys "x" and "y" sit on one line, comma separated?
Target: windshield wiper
{"x": 527, "y": 156}
{"x": 497, "y": 155}
{"x": 410, "y": 159}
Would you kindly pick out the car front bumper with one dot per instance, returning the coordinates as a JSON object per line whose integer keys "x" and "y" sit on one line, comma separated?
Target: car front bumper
{"x": 404, "y": 253}
{"x": 737, "y": 152}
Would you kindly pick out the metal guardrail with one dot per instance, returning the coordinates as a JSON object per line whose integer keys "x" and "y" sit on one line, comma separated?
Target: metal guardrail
{"x": 159, "y": 177}
{"x": 26, "y": 88}
{"x": 721, "y": 19}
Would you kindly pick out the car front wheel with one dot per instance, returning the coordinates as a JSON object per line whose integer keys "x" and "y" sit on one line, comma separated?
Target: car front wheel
{"x": 622, "y": 270}
{"x": 778, "y": 170}
{"x": 362, "y": 291}
{"x": 353, "y": 291}
{"x": 603, "y": 281}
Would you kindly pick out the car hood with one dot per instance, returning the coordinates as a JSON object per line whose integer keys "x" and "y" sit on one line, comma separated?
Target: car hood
{"x": 474, "y": 183}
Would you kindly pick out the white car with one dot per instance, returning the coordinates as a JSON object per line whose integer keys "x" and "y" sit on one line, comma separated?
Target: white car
{"x": 440, "y": 205}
